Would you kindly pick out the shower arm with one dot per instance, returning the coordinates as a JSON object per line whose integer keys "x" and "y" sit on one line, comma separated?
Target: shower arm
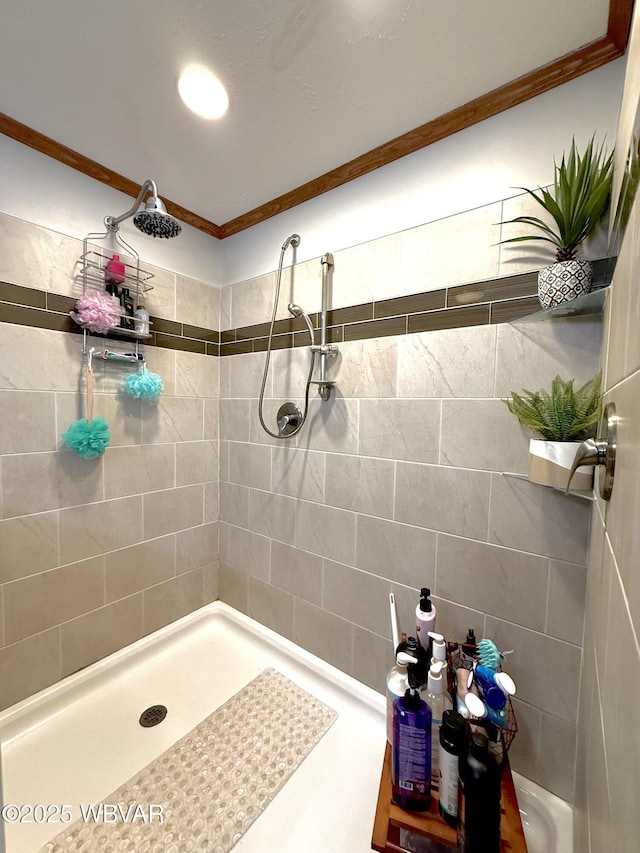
{"x": 113, "y": 222}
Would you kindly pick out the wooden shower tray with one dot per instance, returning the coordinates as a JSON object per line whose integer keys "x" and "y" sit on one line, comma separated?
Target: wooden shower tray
{"x": 392, "y": 824}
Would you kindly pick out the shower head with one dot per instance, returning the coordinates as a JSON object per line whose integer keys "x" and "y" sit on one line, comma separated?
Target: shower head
{"x": 295, "y": 310}
{"x": 153, "y": 220}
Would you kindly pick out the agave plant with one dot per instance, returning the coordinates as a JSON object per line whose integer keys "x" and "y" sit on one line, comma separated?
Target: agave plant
{"x": 565, "y": 414}
{"x": 577, "y": 202}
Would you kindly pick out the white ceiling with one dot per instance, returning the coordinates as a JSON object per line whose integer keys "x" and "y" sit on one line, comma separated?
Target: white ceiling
{"x": 312, "y": 83}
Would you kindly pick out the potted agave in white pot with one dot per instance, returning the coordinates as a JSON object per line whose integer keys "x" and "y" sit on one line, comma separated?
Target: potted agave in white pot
{"x": 563, "y": 417}
{"x": 576, "y": 204}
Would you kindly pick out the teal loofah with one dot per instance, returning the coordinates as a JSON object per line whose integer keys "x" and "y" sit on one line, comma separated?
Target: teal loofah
{"x": 88, "y": 439}
{"x": 143, "y": 385}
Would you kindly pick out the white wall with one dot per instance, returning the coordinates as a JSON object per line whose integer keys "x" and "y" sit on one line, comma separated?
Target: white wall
{"x": 472, "y": 168}
{"x": 45, "y": 192}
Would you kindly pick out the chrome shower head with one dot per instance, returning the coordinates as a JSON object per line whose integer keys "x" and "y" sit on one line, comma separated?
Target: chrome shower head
{"x": 293, "y": 240}
{"x": 295, "y": 310}
{"x": 153, "y": 220}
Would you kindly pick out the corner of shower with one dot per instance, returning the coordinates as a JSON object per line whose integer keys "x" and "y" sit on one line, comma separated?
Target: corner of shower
{"x": 290, "y": 418}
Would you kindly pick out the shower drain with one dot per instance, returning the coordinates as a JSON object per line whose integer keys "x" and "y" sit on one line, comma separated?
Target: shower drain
{"x": 152, "y": 716}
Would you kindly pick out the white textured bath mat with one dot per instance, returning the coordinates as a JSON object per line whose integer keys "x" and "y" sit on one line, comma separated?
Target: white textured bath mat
{"x": 214, "y": 782}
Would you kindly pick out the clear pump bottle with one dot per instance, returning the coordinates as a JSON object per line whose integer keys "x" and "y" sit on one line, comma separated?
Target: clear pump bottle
{"x": 437, "y": 698}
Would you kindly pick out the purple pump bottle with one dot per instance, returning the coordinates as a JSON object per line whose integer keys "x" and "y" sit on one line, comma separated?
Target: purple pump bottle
{"x": 411, "y": 759}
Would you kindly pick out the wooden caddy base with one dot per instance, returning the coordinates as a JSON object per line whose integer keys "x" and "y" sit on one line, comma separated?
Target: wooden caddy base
{"x": 392, "y": 822}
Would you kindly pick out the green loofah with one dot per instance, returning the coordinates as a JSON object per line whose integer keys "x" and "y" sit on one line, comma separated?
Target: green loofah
{"x": 143, "y": 385}
{"x": 88, "y": 439}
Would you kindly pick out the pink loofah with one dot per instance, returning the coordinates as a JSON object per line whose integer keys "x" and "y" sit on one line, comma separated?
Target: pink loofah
{"x": 96, "y": 312}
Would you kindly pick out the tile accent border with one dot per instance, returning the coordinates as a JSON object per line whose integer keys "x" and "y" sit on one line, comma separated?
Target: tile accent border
{"x": 498, "y": 300}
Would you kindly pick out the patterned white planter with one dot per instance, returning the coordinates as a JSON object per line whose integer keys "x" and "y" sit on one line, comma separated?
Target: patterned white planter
{"x": 563, "y": 281}
{"x": 550, "y": 463}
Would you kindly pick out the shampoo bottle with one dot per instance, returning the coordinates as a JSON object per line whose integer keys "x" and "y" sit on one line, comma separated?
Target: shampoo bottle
{"x": 452, "y": 743}
{"x": 425, "y": 617}
{"x": 114, "y": 271}
{"x": 411, "y": 752}
{"x": 479, "y": 799}
{"x": 438, "y": 700}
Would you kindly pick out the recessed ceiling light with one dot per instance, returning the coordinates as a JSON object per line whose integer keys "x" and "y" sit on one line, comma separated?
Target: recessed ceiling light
{"x": 203, "y": 93}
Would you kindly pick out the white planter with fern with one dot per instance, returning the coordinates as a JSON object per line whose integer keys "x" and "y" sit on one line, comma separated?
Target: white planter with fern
{"x": 550, "y": 463}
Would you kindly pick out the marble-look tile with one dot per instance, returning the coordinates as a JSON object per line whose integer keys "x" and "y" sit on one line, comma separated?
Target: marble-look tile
{"x": 447, "y": 363}
{"x": 29, "y": 666}
{"x": 366, "y": 272}
{"x": 92, "y": 529}
{"x": 532, "y": 354}
{"x": 452, "y": 500}
{"x": 173, "y": 419}
{"x": 272, "y": 515}
{"x": 101, "y": 632}
{"x": 41, "y": 601}
{"x": 172, "y": 510}
{"x": 395, "y": 551}
{"x": 196, "y": 547}
{"x": 211, "y": 419}
{"x": 557, "y": 757}
{"x": 533, "y": 518}
{"x": 211, "y": 582}
{"x": 138, "y": 469}
{"x": 234, "y": 504}
{"x": 223, "y": 467}
{"x": 552, "y": 688}
{"x": 132, "y": 569}
{"x": 28, "y": 545}
{"x": 565, "y": 607}
{"x": 31, "y": 425}
{"x": 365, "y": 368}
{"x": 525, "y": 749}
{"x": 1, "y": 616}
{"x": 400, "y": 429}
{"x": 323, "y": 634}
{"x": 163, "y": 362}
{"x": 38, "y": 359}
{"x": 331, "y": 426}
{"x": 601, "y": 773}
{"x": 196, "y": 462}
{"x": 360, "y": 484}
{"x": 454, "y": 250}
{"x": 244, "y": 378}
{"x": 326, "y": 531}
{"x": 211, "y": 502}
{"x": 288, "y": 371}
{"x": 250, "y": 465}
{"x": 250, "y": 552}
{"x": 225, "y": 307}
{"x": 172, "y": 599}
{"x": 252, "y": 300}
{"x": 299, "y": 473}
{"x": 233, "y": 587}
{"x": 622, "y": 667}
{"x": 197, "y": 303}
{"x": 454, "y": 620}
{"x": 483, "y": 434}
{"x": 36, "y": 482}
{"x": 235, "y": 419}
{"x": 508, "y": 584}
{"x": 297, "y": 572}
{"x": 356, "y": 596}
{"x": 626, "y": 281}
{"x": 161, "y": 301}
{"x": 272, "y": 606}
{"x": 123, "y": 415}
{"x": 197, "y": 375}
{"x": 372, "y": 658}
{"x": 34, "y": 256}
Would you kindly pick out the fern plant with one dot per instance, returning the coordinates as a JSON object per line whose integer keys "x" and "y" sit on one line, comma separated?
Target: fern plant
{"x": 564, "y": 414}
{"x": 578, "y": 201}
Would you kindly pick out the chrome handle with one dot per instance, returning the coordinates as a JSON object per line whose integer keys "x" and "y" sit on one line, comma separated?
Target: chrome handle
{"x": 600, "y": 451}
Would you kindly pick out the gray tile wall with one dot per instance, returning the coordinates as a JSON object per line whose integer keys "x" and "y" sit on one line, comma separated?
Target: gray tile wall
{"x": 96, "y": 554}
{"x": 397, "y": 483}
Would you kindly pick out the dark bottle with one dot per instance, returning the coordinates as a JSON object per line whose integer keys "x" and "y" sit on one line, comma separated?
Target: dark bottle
{"x": 453, "y": 740}
{"x": 479, "y": 799}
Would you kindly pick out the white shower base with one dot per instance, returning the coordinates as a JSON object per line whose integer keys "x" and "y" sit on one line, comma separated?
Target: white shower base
{"x": 78, "y": 741}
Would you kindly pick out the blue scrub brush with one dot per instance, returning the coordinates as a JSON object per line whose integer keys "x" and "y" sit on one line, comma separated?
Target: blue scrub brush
{"x": 143, "y": 385}
{"x": 488, "y": 654}
{"x": 87, "y": 437}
